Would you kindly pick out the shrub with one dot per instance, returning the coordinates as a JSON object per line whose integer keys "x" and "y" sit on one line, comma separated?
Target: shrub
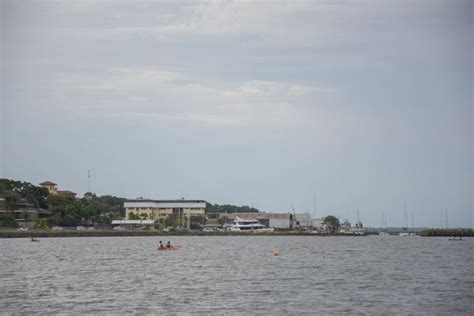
{"x": 7, "y": 220}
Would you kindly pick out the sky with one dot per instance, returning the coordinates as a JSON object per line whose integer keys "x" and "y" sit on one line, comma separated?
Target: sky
{"x": 358, "y": 105}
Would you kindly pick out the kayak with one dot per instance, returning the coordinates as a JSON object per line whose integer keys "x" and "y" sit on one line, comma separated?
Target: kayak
{"x": 172, "y": 248}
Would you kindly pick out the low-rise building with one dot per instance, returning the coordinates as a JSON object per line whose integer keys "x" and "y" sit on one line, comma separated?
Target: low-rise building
{"x": 156, "y": 209}
{"x": 67, "y": 193}
{"x": 25, "y": 214}
{"x": 317, "y": 224}
{"x": 52, "y": 189}
{"x": 302, "y": 220}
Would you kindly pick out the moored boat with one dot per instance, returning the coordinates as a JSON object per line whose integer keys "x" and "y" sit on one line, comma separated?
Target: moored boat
{"x": 248, "y": 225}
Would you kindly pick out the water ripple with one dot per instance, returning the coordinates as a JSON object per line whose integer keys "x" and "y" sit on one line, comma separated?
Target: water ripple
{"x": 237, "y": 275}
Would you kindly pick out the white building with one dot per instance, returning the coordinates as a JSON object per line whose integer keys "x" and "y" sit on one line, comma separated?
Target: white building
{"x": 155, "y": 209}
{"x": 302, "y": 220}
{"x": 317, "y": 223}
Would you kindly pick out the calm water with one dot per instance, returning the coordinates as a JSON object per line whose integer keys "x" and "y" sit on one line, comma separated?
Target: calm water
{"x": 238, "y": 275}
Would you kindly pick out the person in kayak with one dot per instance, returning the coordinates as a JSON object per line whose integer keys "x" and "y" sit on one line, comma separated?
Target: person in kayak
{"x": 161, "y": 246}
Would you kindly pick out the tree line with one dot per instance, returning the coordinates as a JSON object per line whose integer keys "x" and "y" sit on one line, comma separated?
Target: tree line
{"x": 216, "y": 208}
{"x": 66, "y": 210}
{"x": 72, "y": 211}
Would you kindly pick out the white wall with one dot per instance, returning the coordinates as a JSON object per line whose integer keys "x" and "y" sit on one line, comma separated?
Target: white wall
{"x": 165, "y": 204}
{"x": 279, "y": 223}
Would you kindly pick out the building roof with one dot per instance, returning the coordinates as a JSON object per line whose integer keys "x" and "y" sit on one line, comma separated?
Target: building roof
{"x": 23, "y": 202}
{"x": 47, "y": 183}
{"x": 166, "y": 201}
{"x": 257, "y": 215}
{"x": 66, "y": 192}
{"x": 37, "y": 211}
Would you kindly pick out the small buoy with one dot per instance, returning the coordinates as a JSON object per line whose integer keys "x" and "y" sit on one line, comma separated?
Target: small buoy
{"x": 275, "y": 253}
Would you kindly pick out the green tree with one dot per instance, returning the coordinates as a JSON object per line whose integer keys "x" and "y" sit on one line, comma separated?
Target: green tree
{"x": 33, "y": 194}
{"x": 27, "y": 216}
{"x": 132, "y": 216}
{"x": 216, "y": 208}
{"x": 62, "y": 204}
{"x": 11, "y": 200}
{"x": 42, "y": 223}
{"x": 171, "y": 220}
{"x": 7, "y": 220}
{"x": 332, "y": 223}
{"x": 37, "y": 196}
{"x": 222, "y": 220}
{"x": 197, "y": 221}
{"x": 69, "y": 221}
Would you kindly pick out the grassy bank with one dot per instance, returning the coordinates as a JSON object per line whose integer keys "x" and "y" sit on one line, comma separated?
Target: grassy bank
{"x": 448, "y": 232}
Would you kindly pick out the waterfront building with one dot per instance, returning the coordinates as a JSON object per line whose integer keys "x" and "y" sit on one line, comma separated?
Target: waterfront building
{"x": 52, "y": 189}
{"x": 317, "y": 224}
{"x": 25, "y": 214}
{"x": 156, "y": 209}
{"x": 302, "y": 220}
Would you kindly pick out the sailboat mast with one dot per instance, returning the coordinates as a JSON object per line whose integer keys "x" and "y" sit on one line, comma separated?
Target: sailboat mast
{"x": 294, "y": 216}
{"x": 314, "y": 205}
{"x": 406, "y": 218}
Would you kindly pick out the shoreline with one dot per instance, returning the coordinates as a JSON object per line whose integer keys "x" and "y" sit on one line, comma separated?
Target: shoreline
{"x": 138, "y": 233}
{"x": 9, "y": 233}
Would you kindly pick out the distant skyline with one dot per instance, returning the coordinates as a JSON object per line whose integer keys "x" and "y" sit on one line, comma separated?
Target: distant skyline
{"x": 365, "y": 104}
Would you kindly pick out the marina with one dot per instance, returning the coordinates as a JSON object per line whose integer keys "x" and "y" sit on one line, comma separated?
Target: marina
{"x": 233, "y": 157}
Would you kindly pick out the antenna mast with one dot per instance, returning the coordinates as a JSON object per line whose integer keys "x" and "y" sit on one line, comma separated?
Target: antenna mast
{"x": 88, "y": 180}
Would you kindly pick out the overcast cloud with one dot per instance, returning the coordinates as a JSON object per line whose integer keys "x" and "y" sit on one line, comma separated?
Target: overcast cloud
{"x": 366, "y": 104}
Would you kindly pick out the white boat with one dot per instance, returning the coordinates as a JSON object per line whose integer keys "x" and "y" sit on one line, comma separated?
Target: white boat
{"x": 384, "y": 234}
{"x": 346, "y": 228}
{"x": 248, "y": 225}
